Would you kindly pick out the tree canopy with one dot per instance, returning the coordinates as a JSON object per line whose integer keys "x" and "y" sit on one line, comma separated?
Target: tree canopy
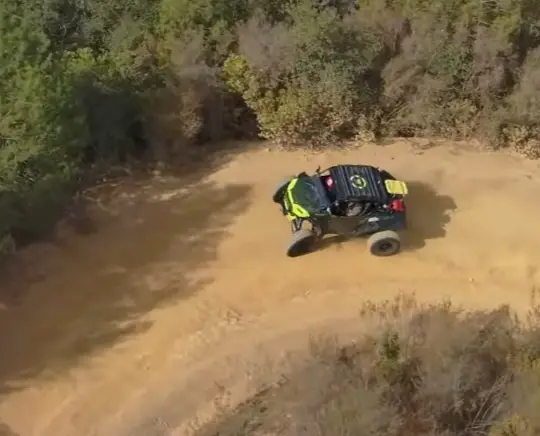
{"x": 94, "y": 82}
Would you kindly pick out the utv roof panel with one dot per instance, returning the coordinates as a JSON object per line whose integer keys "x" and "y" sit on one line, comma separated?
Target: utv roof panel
{"x": 358, "y": 183}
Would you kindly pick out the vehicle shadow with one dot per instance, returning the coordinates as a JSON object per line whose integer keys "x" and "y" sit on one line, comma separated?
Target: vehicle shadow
{"x": 428, "y": 214}
{"x": 5, "y": 430}
{"x": 147, "y": 246}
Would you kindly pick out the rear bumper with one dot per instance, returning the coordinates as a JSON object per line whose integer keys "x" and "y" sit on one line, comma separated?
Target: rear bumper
{"x": 398, "y": 222}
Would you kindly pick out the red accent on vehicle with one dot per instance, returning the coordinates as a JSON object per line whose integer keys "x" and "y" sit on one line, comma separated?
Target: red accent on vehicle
{"x": 329, "y": 182}
{"x": 398, "y": 205}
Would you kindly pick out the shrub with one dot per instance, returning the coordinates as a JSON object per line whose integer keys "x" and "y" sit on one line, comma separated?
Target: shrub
{"x": 97, "y": 82}
{"x": 59, "y": 113}
{"x": 40, "y": 128}
{"x": 415, "y": 371}
{"x": 398, "y": 68}
{"x": 308, "y": 81}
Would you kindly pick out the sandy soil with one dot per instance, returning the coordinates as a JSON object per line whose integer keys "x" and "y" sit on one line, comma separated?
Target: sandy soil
{"x": 128, "y": 322}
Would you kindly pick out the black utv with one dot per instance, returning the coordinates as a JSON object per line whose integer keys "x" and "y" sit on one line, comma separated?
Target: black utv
{"x": 347, "y": 200}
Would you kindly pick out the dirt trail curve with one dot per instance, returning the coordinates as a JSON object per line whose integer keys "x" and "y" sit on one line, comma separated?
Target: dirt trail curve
{"x": 122, "y": 325}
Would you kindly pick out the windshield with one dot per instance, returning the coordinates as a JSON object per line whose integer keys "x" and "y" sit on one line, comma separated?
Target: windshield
{"x": 309, "y": 194}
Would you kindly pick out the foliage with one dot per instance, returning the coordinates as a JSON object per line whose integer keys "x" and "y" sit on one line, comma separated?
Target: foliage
{"x": 432, "y": 370}
{"x": 38, "y": 145}
{"x": 93, "y": 82}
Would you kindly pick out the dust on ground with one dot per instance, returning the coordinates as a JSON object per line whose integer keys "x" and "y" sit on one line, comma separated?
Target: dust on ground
{"x": 121, "y": 327}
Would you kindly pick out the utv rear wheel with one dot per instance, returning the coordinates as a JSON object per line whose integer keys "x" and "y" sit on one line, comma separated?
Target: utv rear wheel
{"x": 386, "y": 243}
{"x": 302, "y": 243}
{"x": 280, "y": 190}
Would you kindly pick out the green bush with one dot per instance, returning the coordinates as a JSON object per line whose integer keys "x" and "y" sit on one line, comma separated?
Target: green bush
{"x": 96, "y": 82}
{"x": 308, "y": 81}
{"x": 40, "y": 128}
{"x": 402, "y": 68}
{"x": 59, "y": 112}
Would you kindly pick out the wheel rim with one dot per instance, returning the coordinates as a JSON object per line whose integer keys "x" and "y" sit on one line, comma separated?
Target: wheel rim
{"x": 387, "y": 246}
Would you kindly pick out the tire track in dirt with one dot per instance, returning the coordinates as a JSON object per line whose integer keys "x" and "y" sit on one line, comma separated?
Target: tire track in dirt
{"x": 210, "y": 259}
{"x": 259, "y": 353}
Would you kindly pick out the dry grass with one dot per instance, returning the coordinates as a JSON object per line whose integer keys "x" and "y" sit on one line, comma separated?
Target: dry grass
{"x": 422, "y": 370}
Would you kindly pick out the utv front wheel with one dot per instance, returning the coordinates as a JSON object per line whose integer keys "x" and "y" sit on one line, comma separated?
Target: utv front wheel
{"x": 302, "y": 243}
{"x": 386, "y": 243}
{"x": 280, "y": 190}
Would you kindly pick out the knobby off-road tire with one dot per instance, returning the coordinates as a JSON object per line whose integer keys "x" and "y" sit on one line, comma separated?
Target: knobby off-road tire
{"x": 302, "y": 243}
{"x": 386, "y": 243}
{"x": 280, "y": 190}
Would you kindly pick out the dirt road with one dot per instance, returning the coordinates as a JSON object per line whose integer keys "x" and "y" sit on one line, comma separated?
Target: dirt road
{"x": 121, "y": 325}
